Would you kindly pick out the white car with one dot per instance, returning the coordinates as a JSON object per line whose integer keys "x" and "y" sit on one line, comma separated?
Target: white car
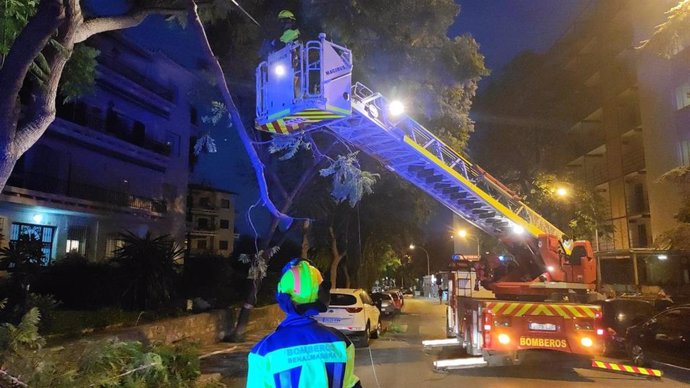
{"x": 353, "y": 313}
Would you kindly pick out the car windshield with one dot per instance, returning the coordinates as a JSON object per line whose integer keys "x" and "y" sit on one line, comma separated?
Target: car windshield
{"x": 342, "y": 300}
{"x": 380, "y": 296}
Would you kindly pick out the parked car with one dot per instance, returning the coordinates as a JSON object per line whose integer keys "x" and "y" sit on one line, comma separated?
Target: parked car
{"x": 663, "y": 338}
{"x": 408, "y": 292}
{"x": 397, "y": 300}
{"x": 617, "y": 316}
{"x": 352, "y": 311}
{"x": 398, "y": 292}
{"x": 384, "y": 302}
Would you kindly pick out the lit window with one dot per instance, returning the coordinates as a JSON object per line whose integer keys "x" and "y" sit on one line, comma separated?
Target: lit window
{"x": 72, "y": 246}
{"x": 683, "y": 96}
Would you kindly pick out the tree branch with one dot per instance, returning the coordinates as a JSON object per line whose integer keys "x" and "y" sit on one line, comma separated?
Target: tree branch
{"x": 29, "y": 43}
{"x": 110, "y": 23}
{"x": 43, "y": 109}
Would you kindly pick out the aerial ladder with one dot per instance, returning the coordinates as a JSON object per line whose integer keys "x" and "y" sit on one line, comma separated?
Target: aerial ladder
{"x": 308, "y": 85}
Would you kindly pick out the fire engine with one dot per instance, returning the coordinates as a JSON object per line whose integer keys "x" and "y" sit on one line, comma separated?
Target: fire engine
{"x": 540, "y": 293}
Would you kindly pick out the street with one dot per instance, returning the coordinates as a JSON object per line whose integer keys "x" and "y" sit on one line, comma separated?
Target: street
{"x": 397, "y": 359}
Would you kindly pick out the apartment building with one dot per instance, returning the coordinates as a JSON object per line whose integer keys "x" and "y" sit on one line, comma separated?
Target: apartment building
{"x": 630, "y": 125}
{"x": 115, "y": 160}
{"x": 210, "y": 221}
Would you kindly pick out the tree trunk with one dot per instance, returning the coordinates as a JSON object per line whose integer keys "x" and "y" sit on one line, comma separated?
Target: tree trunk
{"x": 347, "y": 277}
{"x": 336, "y": 257}
{"x": 305, "y": 239}
{"x": 62, "y": 21}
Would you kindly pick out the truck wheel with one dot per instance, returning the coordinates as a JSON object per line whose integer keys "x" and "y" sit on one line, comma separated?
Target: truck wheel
{"x": 638, "y": 355}
{"x": 498, "y": 358}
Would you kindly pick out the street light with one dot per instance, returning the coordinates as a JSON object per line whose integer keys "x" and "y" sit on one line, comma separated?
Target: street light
{"x": 412, "y": 247}
{"x": 463, "y": 234}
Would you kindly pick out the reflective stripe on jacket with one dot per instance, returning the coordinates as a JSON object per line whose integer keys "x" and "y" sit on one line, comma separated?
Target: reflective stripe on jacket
{"x": 302, "y": 353}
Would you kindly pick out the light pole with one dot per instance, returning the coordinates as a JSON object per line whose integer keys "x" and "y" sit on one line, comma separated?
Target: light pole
{"x": 463, "y": 234}
{"x": 412, "y": 247}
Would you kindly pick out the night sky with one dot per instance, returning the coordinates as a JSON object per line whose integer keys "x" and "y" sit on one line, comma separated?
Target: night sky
{"x": 505, "y": 28}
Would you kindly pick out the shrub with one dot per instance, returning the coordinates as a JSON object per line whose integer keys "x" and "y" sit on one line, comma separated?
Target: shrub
{"x": 213, "y": 279}
{"x": 148, "y": 270}
{"x": 80, "y": 284}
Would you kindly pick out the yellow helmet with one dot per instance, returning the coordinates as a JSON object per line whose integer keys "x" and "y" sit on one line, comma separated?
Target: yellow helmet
{"x": 301, "y": 281}
{"x": 285, "y": 14}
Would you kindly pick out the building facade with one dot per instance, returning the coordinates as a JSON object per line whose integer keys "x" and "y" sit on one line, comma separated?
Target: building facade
{"x": 210, "y": 221}
{"x": 116, "y": 160}
{"x": 629, "y": 124}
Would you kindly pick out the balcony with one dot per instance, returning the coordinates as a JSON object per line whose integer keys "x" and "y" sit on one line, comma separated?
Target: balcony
{"x": 51, "y": 185}
{"x": 123, "y": 69}
{"x": 145, "y": 152}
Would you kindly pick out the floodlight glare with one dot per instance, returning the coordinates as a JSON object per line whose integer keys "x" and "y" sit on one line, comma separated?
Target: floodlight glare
{"x": 662, "y": 257}
{"x": 561, "y": 191}
{"x": 279, "y": 70}
{"x": 396, "y": 108}
{"x": 517, "y": 229}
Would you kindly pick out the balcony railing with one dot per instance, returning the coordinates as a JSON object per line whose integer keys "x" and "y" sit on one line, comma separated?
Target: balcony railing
{"x": 117, "y": 125}
{"x": 49, "y": 184}
{"x": 126, "y": 70}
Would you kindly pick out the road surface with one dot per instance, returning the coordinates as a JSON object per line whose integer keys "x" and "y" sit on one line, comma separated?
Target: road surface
{"x": 397, "y": 359}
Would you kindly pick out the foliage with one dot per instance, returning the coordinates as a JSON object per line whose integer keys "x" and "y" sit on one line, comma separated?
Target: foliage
{"x": 23, "y": 256}
{"x": 350, "y": 183}
{"x": 678, "y": 237}
{"x": 213, "y": 278}
{"x": 672, "y": 36}
{"x": 258, "y": 262}
{"x": 403, "y": 50}
{"x": 290, "y": 145}
{"x": 205, "y": 142}
{"x": 81, "y": 284}
{"x": 149, "y": 265}
{"x": 14, "y": 14}
{"x": 79, "y": 76}
{"x": 25, "y": 361}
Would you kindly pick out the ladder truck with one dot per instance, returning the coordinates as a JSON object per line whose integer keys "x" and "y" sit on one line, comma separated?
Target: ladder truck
{"x": 539, "y": 298}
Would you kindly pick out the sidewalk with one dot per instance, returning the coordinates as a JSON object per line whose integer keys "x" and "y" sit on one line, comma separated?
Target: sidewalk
{"x": 227, "y": 361}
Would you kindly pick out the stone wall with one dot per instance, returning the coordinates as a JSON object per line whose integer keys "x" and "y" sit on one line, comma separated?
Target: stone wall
{"x": 204, "y": 328}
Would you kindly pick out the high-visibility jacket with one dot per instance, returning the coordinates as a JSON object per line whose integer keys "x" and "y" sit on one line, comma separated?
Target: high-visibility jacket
{"x": 289, "y": 35}
{"x": 302, "y": 353}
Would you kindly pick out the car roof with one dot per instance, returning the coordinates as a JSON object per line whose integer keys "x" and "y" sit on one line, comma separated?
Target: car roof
{"x": 346, "y": 290}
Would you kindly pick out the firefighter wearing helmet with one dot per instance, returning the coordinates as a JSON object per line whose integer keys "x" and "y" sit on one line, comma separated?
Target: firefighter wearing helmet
{"x": 302, "y": 352}
{"x": 289, "y": 30}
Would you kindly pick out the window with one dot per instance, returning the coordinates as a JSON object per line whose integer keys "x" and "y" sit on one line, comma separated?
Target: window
{"x": 683, "y": 96}
{"x": 223, "y": 245}
{"x": 201, "y": 244}
{"x": 193, "y": 116}
{"x": 72, "y": 246}
{"x": 21, "y": 233}
{"x": 202, "y": 223}
{"x": 225, "y": 224}
{"x": 76, "y": 239}
{"x": 113, "y": 244}
{"x": 205, "y": 202}
{"x": 225, "y": 203}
